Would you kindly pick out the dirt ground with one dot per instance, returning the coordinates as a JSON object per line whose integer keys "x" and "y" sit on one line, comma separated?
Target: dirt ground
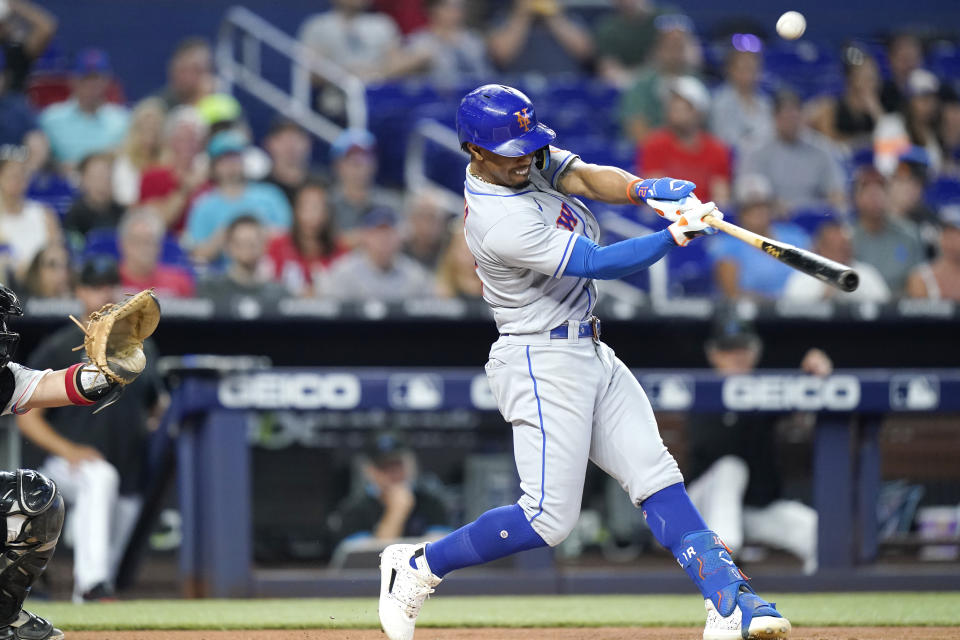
{"x": 688, "y": 633}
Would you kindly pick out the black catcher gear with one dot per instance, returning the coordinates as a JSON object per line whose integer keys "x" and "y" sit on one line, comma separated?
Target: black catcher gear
{"x": 9, "y": 306}
{"x": 32, "y": 509}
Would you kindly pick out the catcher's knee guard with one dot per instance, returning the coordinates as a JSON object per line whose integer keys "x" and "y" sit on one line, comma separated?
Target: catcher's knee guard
{"x": 32, "y": 508}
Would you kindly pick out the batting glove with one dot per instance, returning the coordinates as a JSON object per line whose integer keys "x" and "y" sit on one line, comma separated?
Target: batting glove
{"x": 659, "y": 189}
{"x": 672, "y": 209}
{"x": 692, "y": 224}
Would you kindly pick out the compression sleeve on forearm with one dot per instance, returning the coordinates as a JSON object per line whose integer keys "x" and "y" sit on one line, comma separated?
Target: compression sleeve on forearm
{"x": 590, "y": 260}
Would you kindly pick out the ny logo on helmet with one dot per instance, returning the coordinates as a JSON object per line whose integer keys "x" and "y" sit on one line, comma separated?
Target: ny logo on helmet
{"x": 523, "y": 119}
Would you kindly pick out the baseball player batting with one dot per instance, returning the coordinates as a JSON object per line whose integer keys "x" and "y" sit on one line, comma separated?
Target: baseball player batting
{"x": 567, "y": 395}
{"x": 30, "y": 503}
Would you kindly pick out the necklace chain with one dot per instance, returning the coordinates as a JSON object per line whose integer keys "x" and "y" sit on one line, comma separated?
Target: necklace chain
{"x": 481, "y": 179}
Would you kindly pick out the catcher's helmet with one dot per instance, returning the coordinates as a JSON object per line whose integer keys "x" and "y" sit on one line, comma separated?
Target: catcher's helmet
{"x": 501, "y": 119}
{"x": 9, "y": 306}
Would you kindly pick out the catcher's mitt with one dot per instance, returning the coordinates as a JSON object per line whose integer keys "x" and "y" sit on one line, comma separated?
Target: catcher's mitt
{"x": 114, "y": 335}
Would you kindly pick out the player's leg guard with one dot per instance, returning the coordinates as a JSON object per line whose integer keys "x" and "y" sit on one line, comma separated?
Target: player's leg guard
{"x": 708, "y": 562}
{"x": 678, "y": 526}
{"x": 33, "y": 511}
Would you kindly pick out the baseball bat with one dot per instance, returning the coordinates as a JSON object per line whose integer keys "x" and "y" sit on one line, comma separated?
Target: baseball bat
{"x": 833, "y": 273}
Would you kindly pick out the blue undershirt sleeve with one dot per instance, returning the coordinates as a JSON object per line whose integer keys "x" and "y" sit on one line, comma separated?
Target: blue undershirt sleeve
{"x": 590, "y": 260}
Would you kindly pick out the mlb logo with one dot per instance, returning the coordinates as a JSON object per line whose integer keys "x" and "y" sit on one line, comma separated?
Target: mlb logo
{"x": 420, "y": 392}
{"x": 914, "y": 392}
{"x": 669, "y": 392}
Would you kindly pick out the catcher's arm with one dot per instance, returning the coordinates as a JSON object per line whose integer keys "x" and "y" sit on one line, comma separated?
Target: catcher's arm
{"x": 113, "y": 340}
{"x": 80, "y": 384}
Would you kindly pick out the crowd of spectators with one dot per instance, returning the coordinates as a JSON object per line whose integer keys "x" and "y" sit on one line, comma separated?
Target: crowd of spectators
{"x": 179, "y": 192}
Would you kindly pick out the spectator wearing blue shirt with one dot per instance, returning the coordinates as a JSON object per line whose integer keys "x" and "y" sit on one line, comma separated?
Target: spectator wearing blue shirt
{"x": 86, "y": 123}
{"x": 231, "y": 197}
{"x": 742, "y": 271}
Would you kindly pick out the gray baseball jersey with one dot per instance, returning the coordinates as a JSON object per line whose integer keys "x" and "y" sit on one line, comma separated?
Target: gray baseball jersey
{"x": 521, "y": 240}
{"x": 569, "y": 400}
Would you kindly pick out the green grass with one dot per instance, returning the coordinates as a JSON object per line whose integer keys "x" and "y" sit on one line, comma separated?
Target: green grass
{"x": 861, "y": 609}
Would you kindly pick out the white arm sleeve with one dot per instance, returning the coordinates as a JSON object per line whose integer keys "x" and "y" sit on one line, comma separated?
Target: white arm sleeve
{"x": 25, "y": 383}
{"x": 524, "y": 240}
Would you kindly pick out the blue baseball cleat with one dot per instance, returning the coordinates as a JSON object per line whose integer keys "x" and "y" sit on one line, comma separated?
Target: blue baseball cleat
{"x": 752, "y": 618}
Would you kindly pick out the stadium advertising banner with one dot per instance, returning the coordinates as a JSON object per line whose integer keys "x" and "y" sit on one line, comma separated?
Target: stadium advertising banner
{"x": 464, "y": 389}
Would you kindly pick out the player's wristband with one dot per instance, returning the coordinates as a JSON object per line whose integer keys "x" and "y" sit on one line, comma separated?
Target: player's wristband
{"x": 86, "y": 384}
{"x": 634, "y": 193}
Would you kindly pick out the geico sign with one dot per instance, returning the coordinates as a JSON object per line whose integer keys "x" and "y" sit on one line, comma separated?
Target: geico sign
{"x": 290, "y": 391}
{"x": 805, "y": 393}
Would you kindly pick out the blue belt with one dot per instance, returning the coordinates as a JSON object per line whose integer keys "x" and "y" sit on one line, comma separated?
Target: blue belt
{"x": 587, "y": 329}
{"x": 562, "y": 332}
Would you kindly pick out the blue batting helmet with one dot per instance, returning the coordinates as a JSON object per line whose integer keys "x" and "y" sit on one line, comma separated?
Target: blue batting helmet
{"x": 502, "y": 120}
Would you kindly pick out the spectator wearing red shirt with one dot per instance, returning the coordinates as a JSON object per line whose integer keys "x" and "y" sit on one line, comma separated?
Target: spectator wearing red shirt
{"x": 300, "y": 258}
{"x": 682, "y": 148}
{"x": 182, "y": 173}
{"x": 141, "y": 240}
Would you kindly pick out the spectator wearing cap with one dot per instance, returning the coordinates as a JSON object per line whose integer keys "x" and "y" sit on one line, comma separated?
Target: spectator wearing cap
{"x": 539, "y": 37}
{"x": 392, "y": 502}
{"x": 300, "y": 258}
{"x": 739, "y": 269}
{"x": 797, "y": 162}
{"x": 675, "y": 54}
{"x": 833, "y": 241}
{"x": 182, "y": 173}
{"x": 231, "y": 196}
{"x": 26, "y": 226}
{"x": 741, "y": 114}
{"x": 683, "y": 148}
{"x": 914, "y": 125}
{"x": 905, "y": 54}
{"x": 189, "y": 73}
{"x": 733, "y": 473}
{"x": 85, "y": 123}
{"x": 94, "y": 207}
{"x": 892, "y": 245}
{"x": 377, "y": 270}
{"x": 289, "y": 147}
{"x": 96, "y": 459}
{"x": 245, "y": 289}
{"x": 624, "y": 40}
{"x": 940, "y": 280}
{"x": 354, "y": 191}
{"x": 222, "y": 112}
{"x": 444, "y": 49}
{"x": 141, "y": 240}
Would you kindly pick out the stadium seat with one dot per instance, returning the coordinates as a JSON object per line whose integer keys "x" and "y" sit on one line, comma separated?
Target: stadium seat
{"x": 103, "y": 242}
{"x": 944, "y": 60}
{"x": 943, "y": 191}
{"x": 804, "y": 66}
{"x": 811, "y": 219}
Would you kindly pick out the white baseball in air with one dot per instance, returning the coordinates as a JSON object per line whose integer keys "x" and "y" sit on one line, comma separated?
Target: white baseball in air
{"x": 791, "y": 25}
